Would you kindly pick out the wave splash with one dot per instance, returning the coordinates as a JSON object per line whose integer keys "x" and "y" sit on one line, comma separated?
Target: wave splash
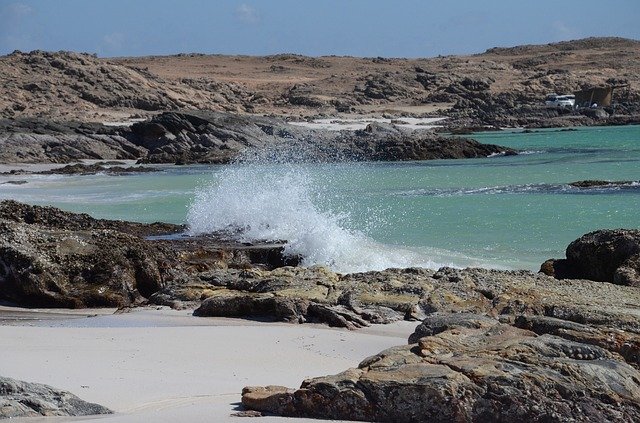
{"x": 266, "y": 198}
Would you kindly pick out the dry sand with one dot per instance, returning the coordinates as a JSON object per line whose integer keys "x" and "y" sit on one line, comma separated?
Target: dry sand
{"x": 166, "y": 365}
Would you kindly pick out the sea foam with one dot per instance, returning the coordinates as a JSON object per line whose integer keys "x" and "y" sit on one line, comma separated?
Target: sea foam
{"x": 265, "y": 197}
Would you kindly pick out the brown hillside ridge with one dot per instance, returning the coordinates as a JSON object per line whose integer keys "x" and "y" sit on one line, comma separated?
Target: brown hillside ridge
{"x": 502, "y": 86}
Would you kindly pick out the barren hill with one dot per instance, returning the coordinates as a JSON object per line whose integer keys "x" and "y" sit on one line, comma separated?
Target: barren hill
{"x": 499, "y": 83}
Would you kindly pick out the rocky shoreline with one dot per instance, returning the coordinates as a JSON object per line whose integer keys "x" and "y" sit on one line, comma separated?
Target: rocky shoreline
{"x": 560, "y": 345}
{"x": 217, "y": 137}
{"x": 492, "y": 344}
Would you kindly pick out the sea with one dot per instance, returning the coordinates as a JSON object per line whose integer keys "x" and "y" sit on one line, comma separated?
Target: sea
{"x": 502, "y": 212}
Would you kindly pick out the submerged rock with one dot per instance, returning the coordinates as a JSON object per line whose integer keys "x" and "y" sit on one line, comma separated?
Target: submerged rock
{"x": 591, "y": 183}
{"x": 22, "y": 399}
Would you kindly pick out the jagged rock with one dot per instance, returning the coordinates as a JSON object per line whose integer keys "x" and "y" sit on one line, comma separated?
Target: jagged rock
{"x": 52, "y": 258}
{"x": 216, "y": 137}
{"x": 594, "y": 113}
{"x": 22, "y": 399}
{"x": 52, "y": 217}
{"x": 393, "y": 294}
{"x": 469, "y": 373}
{"x": 608, "y": 255}
{"x": 44, "y": 267}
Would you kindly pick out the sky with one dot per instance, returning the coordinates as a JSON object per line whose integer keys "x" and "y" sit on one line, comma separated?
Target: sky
{"x": 366, "y": 28}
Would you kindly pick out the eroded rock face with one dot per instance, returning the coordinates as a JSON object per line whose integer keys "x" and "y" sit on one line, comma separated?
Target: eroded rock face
{"x": 22, "y": 399}
{"x": 475, "y": 369}
{"x": 45, "y": 267}
{"x": 53, "y": 258}
{"x": 608, "y": 255}
{"x": 210, "y": 137}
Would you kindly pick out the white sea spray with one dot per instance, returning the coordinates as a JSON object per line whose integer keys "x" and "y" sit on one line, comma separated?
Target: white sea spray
{"x": 266, "y": 196}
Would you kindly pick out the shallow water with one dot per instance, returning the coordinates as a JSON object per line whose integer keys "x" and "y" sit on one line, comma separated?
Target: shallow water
{"x": 503, "y": 212}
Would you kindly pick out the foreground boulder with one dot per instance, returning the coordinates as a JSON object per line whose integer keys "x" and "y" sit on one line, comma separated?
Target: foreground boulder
{"x": 469, "y": 369}
{"x": 609, "y": 255}
{"x": 22, "y": 399}
{"x": 44, "y": 267}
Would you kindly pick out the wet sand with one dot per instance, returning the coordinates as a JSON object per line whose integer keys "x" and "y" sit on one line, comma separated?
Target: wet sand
{"x": 165, "y": 365}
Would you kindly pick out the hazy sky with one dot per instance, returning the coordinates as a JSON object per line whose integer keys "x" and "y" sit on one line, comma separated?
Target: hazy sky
{"x": 390, "y": 28}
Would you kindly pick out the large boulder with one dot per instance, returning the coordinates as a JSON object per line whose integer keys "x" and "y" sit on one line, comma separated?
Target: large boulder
{"x": 46, "y": 267}
{"x": 22, "y": 399}
{"x": 474, "y": 370}
{"x": 608, "y": 255}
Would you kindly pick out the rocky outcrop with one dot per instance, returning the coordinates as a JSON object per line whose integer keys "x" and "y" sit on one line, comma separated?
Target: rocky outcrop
{"x": 108, "y": 168}
{"x": 358, "y": 299}
{"x": 604, "y": 255}
{"x": 22, "y": 399}
{"x": 52, "y": 258}
{"x": 216, "y": 137}
{"x": 470, "y": 369}
{"x": 503, "y": 86}
{"x": 42, "y": 141}
{"x": 42, "y": 83}
{"x": 44, "y": 267}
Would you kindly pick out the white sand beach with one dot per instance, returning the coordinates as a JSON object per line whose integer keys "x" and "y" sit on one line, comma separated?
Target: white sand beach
{"x": 354, "y": 124}
{"x": 165, "y": 365}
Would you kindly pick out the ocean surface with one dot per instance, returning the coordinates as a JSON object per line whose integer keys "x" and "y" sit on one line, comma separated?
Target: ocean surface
{"x": 500, "y": 212}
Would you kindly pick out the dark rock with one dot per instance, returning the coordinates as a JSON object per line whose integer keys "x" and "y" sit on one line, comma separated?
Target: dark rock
{"x": 608, "y": 255}
{"x": 604, "y": 184}
{"x": 22, "y": 399}
{"x": 91, "y": 169}
{"x": 51, "y": 217}
{"x": 216, "y": 137}
{"x": 438, "y": 322}
{"x": 52, "y": 258}
{"x": 44, "y": 267}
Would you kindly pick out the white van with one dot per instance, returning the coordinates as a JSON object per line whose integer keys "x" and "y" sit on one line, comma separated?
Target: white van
{"x": 560, "y": 101}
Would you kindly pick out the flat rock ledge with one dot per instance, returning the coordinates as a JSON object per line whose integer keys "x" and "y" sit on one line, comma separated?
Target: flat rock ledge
{"x": 470, "y": 368}
{"x": 23, "y": 399}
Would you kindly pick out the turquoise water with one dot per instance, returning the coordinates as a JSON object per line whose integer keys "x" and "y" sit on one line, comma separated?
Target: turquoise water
{"x": 504, "y": 212}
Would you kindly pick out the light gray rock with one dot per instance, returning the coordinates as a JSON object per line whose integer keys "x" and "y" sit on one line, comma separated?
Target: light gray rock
{"x": 23, "y": 399}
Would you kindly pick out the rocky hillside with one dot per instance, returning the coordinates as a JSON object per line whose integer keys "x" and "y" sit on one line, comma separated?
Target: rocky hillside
{"x": 69, "y": 85}
{"x": 499, "y": 86}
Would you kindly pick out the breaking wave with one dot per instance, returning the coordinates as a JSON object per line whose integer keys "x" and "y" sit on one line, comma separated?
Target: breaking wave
{"x": 265, "y": 197}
